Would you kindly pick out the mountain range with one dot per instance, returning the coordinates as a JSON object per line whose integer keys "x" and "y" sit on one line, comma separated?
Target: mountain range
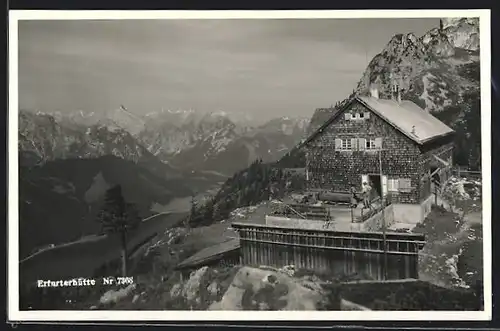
{"x": 183, "y": 138}
{"x": 68, "y": 161}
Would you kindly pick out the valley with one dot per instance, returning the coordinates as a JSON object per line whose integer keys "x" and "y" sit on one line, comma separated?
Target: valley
{"x": 68, "y": 163}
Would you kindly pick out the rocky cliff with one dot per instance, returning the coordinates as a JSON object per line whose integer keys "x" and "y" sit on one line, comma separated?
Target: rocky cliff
{"x": 436, "y": 71}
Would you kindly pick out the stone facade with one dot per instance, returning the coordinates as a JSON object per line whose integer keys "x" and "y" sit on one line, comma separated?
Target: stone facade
{"x": 339, "y": 156}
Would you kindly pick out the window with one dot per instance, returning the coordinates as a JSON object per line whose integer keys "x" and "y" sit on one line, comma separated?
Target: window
{"x": 357, "y": 115}
{"x": 399, "y": 185}
{"x": 404, "y": 185}
{"x": 346, "y": 144}
{"x": 370, "y": 144}
{"x": 392, "y": 185}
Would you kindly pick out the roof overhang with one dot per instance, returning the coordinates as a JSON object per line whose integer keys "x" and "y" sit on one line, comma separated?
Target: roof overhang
{"x": 328, "y": 122}
{"x": 434, "y": 138}
{"x": 440, "y": 160}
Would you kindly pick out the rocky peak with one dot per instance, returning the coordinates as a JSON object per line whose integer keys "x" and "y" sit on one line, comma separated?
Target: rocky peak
{"x": 462, "y": 32}
{"x": 124, "y": 119}
{"x": 215, "y": 121}
{"x": 433, "y": 70}
{"x": 436, "y": 42}
{"x": 286, "y": 125}
{"x": 403, "y": 44}
{"x": 404, "y": 55}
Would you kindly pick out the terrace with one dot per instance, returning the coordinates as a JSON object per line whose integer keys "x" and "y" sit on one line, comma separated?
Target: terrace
{"x": 327, "y": 214}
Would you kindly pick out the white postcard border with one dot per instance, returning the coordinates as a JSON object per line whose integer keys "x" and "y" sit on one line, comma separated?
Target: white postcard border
{"x": 14, "y": 314}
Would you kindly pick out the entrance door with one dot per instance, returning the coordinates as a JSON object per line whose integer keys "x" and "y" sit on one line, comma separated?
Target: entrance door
{"x": 376, "y": 184}
{"x": 364, "y": 179}
{"x": 379, "y": 187}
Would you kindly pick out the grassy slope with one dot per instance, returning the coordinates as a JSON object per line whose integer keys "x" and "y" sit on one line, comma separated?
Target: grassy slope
{"x": 82, "y": 260}
{"x": 48, "y": 216}
{"x": 416, "y": 295}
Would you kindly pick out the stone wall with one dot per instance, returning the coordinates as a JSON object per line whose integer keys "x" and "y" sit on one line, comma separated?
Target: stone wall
{"x": 375, "y": 223}
{"x": 411, "y": 213}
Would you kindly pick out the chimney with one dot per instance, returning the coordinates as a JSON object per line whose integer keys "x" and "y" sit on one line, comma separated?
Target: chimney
{"x": 395, "y": 92}
{"x": 374, "y": 91}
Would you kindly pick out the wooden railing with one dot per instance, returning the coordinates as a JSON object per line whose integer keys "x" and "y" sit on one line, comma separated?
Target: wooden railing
{"x": 367, "y": 213}
{"x": 301, "y": 210}
{"x": 466, "y": 173}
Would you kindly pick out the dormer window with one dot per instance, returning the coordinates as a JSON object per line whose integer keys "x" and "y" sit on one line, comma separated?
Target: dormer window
{"x": 357, "y": 116}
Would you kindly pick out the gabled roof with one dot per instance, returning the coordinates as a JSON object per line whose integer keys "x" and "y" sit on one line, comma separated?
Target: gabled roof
{"x": 411, "y": 120}
{"x": 332, "y": 117}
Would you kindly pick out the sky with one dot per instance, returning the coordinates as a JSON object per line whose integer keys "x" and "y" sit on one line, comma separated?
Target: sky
{"x": 265, "y": 68}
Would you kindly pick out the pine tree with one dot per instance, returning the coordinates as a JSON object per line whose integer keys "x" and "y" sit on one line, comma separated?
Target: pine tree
{"x": 118, "y": 217}
{"x": 192, "y": 213}
{"x": 209, "y": 212}
{"x": 216, "y": 212}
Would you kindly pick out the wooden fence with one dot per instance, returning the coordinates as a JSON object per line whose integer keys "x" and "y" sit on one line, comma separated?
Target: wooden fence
{"x": 467, "y": 173}
{"x": 303, "y": 211}
{"x": 331, "y": 252}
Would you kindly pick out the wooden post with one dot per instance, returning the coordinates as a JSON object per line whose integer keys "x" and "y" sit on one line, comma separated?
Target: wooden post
{"x": 352, "y": 215}
{"x": 435, "y": 194}
{"x": 383, "y": 213}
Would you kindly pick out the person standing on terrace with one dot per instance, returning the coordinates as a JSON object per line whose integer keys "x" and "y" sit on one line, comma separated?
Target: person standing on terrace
{"x": 367, "y": 189}
{"x": 354, "y": 196}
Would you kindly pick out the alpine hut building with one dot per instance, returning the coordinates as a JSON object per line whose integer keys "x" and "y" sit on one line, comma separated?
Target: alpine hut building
{"x": 393, "y": 144}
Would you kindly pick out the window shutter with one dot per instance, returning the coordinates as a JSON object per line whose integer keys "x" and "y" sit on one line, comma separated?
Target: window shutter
{"x": 367, "y": 114}
{"x": 384, "y": 186}
{"x": 404, "y": 184}
{"x": 395, "y": 184}
{"x": 390, "y": 185}
{"x": 354, "y": 142}
{"x": 361, "y": 144}
{"x": 338, "y": 144}
{"x": 378, "y": 143}
{"x": 347, "y": 116}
